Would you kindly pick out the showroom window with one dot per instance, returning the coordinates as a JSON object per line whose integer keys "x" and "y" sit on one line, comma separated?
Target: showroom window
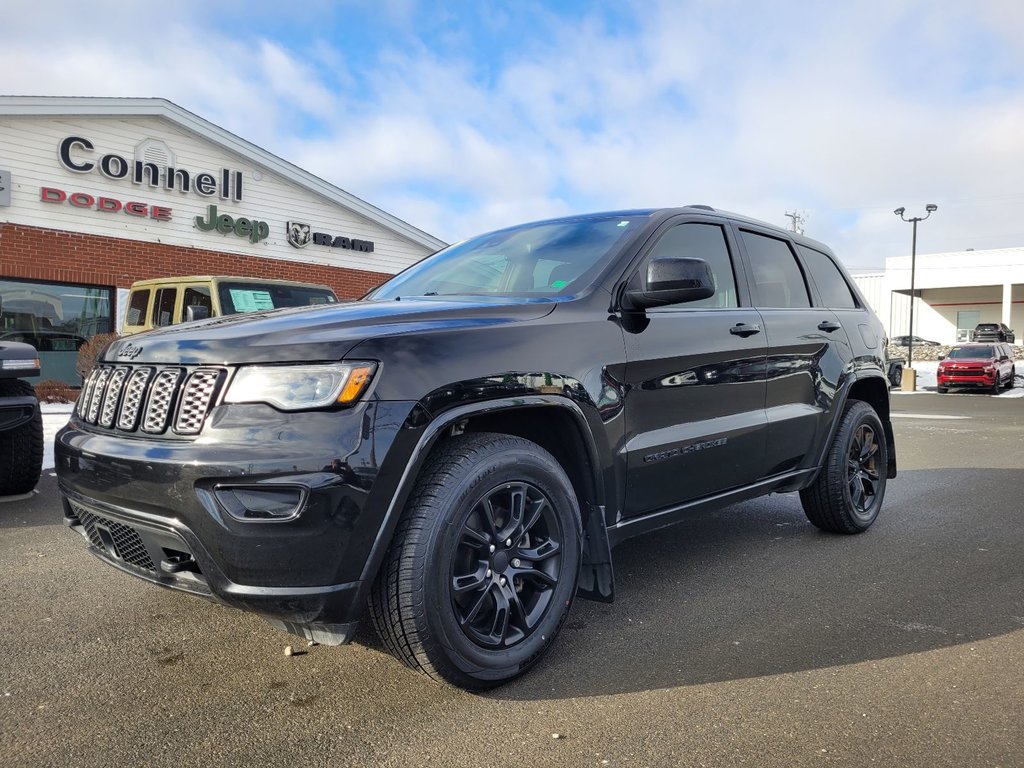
{"x": 56, "y": 319}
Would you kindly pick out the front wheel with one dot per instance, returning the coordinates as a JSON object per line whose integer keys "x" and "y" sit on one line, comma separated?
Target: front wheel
{"x": 847, "y": 494}
{"x": 997, "y": 385}
{"x": 483, "y": 566}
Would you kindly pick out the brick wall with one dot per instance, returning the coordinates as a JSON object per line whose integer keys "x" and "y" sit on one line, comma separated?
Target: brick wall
{"x": 45, "y": 254}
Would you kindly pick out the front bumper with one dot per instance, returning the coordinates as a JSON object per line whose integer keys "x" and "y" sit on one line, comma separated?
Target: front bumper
{"x": 965, "y": 380}
{"x": 152, "y": 507}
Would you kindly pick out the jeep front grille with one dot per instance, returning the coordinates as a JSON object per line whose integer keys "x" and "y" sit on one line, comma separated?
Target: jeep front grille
{"x": 155, "y": 400}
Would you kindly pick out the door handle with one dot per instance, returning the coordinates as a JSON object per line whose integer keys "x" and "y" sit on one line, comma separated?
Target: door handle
{"x": 744, "y": 330}
{"x": 828, "y": 326}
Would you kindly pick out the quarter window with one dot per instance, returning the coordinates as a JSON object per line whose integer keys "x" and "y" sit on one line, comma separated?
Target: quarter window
{"x": 701, "y": 241}
{"x": 163, "y": 306}
{"x": 778, "y": 280}
{"x": 137, "y": 306}
{"x": 832, "y": 287}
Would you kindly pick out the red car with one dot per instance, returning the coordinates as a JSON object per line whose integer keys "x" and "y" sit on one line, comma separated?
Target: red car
{"x": 977, "y": 365}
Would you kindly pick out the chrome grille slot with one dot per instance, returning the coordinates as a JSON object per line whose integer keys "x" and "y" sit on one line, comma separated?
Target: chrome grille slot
{"x": 161, "y": 399}
{"x": 134, "y": 392}
{"x": 195, "y": 400}
{"x": 96, "y": 396}
{"x": 82, "y": 407}
{"x": 112, "y": 397}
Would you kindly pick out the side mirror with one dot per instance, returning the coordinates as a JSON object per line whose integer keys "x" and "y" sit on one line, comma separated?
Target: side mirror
{"x": 942, "y": 357}
{"x": 673, "y": 281}
{"x": 196, "y": 312}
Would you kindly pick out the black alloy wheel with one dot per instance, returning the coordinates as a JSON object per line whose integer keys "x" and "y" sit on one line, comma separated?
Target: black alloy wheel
{"x": 863, "y": 473}
{"x": 847, "y": 494}
{"x": 482, "y": 569}
{"x": 506, "y": 566}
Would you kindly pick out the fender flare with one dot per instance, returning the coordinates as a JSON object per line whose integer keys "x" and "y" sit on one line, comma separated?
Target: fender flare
{"x": 596, "y": 579}
{"x": 842, "y": 396}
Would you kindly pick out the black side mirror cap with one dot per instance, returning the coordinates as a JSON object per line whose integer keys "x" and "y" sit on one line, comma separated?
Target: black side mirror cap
{"x": 672, "y": 281}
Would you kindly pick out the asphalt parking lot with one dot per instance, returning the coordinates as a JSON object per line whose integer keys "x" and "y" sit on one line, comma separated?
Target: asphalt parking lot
{"x": 743, "y": 637}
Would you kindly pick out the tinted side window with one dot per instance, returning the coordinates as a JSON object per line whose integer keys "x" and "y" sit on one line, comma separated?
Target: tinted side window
{"x": 778, "y": 280}
{"x": 136, "y": 314}
{"x": 832, "y": 287}
{"x": 701, "y": 241}
{"x": 163, "y": 306}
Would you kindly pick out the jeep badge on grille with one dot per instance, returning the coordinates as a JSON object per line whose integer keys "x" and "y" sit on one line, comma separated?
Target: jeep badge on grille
{"x": 129, "y": 350}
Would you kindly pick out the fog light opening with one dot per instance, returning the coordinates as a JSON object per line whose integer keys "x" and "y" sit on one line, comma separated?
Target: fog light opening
{"x": 261, "y": 503}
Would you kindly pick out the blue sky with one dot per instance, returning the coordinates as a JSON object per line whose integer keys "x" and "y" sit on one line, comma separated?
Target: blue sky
{"x": 465, "y": 116}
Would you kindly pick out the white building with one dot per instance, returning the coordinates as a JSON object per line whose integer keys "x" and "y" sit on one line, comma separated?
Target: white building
{"x": 954, "y": 292}
{"x": 96, "y": 193}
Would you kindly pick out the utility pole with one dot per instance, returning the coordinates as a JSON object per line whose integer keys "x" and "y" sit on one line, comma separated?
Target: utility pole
{"x": 797, "y": 220}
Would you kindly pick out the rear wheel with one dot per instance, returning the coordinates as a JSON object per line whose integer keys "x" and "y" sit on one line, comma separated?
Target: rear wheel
{"x": 848, "y": 492}
{"x": 21, "y": 449}
{"x": 483, "y": 567}
{"x": 1013, "y": 375}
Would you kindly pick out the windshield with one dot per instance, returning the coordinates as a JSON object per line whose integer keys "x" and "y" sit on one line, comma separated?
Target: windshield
{"x": 254, "y": 297}
{"x": 549, "y": 258}
{"x": 964, "y": 353}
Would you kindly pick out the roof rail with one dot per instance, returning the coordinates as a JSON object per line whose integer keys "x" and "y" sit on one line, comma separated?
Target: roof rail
{"x": 701, "y": 206}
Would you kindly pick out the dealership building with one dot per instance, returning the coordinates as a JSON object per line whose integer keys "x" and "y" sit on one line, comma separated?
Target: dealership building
{"x": 952, "y": 293}
{"x": 96, "y": 193}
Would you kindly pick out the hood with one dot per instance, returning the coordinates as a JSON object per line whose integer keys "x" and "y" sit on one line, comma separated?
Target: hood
{"x": 320, "y": 333}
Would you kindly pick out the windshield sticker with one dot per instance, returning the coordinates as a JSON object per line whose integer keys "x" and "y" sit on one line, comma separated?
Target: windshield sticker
{"x": 251, "y": 301}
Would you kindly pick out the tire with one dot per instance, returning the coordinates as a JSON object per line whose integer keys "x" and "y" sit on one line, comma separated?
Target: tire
{"x": 1013, "y": 375}
{"x": 896, "y": 374}
{"x": 941, "y": 390}
{"x": 848, "y": 492}
{"x": 996, "y": 385}
{"x": 21, "y": 449}
{"x": 482, "y": 569}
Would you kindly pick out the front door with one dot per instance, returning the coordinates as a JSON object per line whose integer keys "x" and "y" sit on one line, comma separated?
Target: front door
{"x": 694, "y": 404}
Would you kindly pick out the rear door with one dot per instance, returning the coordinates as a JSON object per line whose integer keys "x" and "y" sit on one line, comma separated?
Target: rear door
{"x": 807, "y": 351}
{"x": 694, "y": 404}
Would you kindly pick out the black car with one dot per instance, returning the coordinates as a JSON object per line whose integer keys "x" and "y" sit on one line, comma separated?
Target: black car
{"x": 457, "y": 453}
{"x": 21, "y": 423}
{"x": 993, "y": 332}
{"x": 903, "y": 341}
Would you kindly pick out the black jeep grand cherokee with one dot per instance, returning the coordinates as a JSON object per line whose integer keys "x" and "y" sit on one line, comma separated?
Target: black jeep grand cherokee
{"x": 460, "y": 450}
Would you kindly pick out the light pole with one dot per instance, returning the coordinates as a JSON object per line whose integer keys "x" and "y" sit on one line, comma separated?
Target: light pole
{"x": 930, "y": 209}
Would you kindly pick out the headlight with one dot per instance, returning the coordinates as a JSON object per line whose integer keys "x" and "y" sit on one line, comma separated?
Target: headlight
{"x": 300, "y": 387}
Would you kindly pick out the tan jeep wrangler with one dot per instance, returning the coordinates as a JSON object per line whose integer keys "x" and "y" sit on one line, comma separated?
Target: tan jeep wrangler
{"x": 169, "y": 300}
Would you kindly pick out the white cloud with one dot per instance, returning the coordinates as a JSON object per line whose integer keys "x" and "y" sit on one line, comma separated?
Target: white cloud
{"x": 843, "y": 111}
